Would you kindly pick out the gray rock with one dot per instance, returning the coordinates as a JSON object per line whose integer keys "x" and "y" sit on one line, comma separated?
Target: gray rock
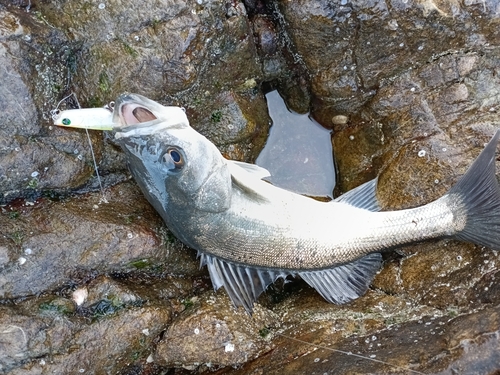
{"x": 49, "y": 244}
{"x": 212, "y": 333}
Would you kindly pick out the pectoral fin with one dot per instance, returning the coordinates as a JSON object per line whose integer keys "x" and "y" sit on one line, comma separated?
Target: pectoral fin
{"x": 253, "y": 169}
{"x": 248, "y": 178}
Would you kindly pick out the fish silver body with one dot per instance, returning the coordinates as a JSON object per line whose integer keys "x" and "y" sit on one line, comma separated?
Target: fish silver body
{"x": 249, "y": 232}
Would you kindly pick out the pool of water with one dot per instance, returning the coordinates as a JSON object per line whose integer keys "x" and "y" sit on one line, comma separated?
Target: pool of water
{"x": 298, "y": 151}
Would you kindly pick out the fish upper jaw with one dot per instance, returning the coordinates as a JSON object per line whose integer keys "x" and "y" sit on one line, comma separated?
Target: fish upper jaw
{"x": 136, "y": 115}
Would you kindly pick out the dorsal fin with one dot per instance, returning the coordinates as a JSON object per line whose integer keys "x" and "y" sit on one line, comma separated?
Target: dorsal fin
{"x": 364, "y": 196}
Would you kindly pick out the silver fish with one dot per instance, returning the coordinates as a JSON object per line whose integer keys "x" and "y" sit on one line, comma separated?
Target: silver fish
{"x": 249, "y": 232}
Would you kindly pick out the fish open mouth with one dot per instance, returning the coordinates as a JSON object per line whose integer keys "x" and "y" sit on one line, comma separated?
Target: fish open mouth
{"x": 135, "y": 114}
{"x": 133, "y": 109}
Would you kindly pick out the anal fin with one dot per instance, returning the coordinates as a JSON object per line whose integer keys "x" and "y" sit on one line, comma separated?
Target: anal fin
{"x": 346, "y": 282}
{"x": 243, "y": 284}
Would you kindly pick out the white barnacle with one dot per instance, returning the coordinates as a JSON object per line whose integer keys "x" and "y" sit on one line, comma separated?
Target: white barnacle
{"x": 421, "y": 153}
{"x": 196, "y": 331}
{"x": 393, "y": 24}
{"x": 229, "y": 347}
{"x": 80, "y": 295}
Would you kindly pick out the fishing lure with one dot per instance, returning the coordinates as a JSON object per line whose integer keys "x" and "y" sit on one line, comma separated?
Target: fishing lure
{"x": 85, "y": 118}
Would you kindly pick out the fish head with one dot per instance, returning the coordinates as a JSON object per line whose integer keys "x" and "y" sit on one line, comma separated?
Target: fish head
{"x": 179, "y": 170}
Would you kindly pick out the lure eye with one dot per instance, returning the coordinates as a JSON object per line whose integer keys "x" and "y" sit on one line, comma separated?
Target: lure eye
{"x": 66, "y": 121}
{"x": 173, "y": 158}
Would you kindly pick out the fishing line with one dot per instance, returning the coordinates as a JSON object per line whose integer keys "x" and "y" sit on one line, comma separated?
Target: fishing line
{"x": 350, "y": 354}
{"x": 103, "y": 199}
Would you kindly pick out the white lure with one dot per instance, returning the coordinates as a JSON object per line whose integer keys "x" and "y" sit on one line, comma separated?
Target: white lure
{"x": 85, "y": 118}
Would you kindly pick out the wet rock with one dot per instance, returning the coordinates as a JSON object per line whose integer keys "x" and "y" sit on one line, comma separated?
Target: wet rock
{"x": 104, "y": 288}
{"x": 212, "y": 333}
{"x": 158, "y": 49}
{"x": 239, "y": 123}
{"x": 386, "y": 335}
{"x": 313, "y": 332}
{"x": 32, "y": 157}
{"x": 352, "y": 49}
{"x": 34, "y": 343}
{"x": 266, "y": 34}
{"x": 446, "y": 274}
{"x": 49, "y": 244}
{"x": 422, "y": 136}
{"x": 270, "y": 46}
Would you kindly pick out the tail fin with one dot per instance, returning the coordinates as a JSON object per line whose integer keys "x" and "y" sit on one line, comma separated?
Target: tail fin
{"x": 480, "y": 194}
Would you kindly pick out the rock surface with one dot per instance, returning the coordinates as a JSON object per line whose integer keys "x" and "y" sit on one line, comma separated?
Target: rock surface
{"x": 93, "y": 282}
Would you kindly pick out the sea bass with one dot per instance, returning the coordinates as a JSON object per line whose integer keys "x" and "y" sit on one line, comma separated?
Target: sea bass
{"x": 249, "y": 232}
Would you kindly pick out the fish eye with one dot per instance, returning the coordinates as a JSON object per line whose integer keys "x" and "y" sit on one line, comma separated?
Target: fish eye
{"x": 66, "y": 121}
{"x": 173, "y": 157}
